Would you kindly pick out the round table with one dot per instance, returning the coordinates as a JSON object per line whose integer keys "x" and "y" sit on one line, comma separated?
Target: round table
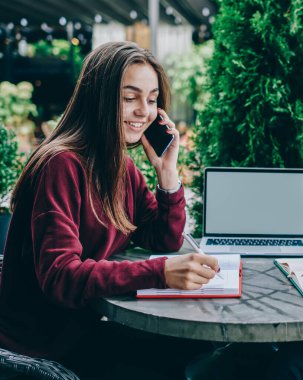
{"x": 270, "y": 310}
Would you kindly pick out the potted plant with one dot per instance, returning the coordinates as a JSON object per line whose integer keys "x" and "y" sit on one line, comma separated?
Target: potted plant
{"x": 17, "y": 109}
{"x": 10, "y": 169}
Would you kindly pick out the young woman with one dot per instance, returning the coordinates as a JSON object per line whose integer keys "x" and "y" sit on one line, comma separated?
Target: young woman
{"x": 80, "y": 199}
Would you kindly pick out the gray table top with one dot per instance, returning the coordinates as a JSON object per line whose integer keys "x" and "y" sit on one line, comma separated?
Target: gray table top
{"x": 270, "y": 310}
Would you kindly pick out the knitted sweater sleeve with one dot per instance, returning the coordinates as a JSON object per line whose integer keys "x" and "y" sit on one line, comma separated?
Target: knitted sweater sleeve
{"x": 56, "y": 218}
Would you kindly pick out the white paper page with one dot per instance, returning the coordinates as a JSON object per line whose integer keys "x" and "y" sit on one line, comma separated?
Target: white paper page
{"x": 228, "y": 278}
{"x": 298, "y": 277}
{"x": 226, "y": 261}
{"x": 230, "y": 261}
{"x": 291, "y": 265}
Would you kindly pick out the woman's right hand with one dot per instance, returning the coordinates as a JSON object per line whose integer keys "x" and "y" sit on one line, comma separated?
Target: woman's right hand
{"x": 190, "y": 271}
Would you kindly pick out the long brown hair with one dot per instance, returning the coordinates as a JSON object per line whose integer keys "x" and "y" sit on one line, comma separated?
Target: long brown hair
{"x": 92, "y": 127}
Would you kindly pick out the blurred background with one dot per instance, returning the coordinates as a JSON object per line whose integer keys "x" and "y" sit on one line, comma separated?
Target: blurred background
{"x": 43, "y": 43}
{"x": 42, "y": 47}
{"x": 235, "y": 68}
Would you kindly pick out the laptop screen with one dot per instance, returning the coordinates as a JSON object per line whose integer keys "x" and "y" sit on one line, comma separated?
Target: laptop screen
{"x": 253, "y": 202}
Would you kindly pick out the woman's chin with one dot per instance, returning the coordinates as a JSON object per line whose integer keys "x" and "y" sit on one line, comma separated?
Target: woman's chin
{"x": 133, "y": 139}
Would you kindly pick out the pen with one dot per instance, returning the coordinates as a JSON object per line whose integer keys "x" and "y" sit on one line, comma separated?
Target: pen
{"x": 192, "y": 242}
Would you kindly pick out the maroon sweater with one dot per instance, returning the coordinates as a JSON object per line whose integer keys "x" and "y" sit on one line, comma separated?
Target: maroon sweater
{"x": 55, "y": 260}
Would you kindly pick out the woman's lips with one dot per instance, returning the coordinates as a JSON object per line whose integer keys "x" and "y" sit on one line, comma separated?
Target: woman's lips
{"x": 135, "y": 125}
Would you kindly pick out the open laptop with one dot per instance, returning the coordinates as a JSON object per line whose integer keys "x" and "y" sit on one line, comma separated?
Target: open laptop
{"x": 253, "y": 211}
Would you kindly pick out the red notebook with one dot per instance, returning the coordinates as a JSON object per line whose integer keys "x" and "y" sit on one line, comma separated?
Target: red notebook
{"x": 226, "y": 284}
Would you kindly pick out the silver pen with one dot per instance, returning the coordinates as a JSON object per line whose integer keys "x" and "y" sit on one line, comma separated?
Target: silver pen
{"x": 192, "y": 242}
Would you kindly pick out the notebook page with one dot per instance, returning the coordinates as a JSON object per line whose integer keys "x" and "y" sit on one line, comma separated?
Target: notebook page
{"x": 226, "y": 284}
{"x": 298, "y": 277}
{"x": 223, "y": 282}
{"x": 226, "y": 261}
{"x": 291, "y": 265}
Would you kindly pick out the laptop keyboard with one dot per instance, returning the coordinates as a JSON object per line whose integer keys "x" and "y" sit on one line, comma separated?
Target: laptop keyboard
{"x": 255, "y": 242}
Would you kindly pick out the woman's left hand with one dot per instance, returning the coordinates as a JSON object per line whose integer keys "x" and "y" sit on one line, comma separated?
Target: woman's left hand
{"x": 166, "y": 166}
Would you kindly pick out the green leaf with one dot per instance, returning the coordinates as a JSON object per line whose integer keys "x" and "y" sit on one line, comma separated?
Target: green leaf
{"x": 254, "y": 115}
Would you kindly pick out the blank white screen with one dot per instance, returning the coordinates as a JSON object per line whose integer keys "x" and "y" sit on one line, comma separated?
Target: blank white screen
{"x": 254, "y": 203}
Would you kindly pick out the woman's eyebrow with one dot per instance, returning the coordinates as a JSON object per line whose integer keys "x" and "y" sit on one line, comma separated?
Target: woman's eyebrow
{"x": 137, "y": 89}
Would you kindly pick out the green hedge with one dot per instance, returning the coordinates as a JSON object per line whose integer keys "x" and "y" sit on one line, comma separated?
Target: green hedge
{"x": 141, "y": 161}
{"x": 10, "y": 165}
{"x": 254, "y": 116}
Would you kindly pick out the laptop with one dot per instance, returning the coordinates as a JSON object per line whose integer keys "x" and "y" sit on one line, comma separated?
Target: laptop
{"x": 253, "y": 211}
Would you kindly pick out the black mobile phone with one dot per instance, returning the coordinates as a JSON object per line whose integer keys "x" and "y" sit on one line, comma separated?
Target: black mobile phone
{"x": 157, "y": 136}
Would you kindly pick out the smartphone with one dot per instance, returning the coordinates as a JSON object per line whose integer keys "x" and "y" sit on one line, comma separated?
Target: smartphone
{"x": 157, "y": 136}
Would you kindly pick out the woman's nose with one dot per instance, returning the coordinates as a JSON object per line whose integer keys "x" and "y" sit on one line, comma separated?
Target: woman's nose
{"x": 142, "y": 110}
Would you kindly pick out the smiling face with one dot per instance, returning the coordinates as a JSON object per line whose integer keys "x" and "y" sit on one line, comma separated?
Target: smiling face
{"x": 140, "y": 91}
